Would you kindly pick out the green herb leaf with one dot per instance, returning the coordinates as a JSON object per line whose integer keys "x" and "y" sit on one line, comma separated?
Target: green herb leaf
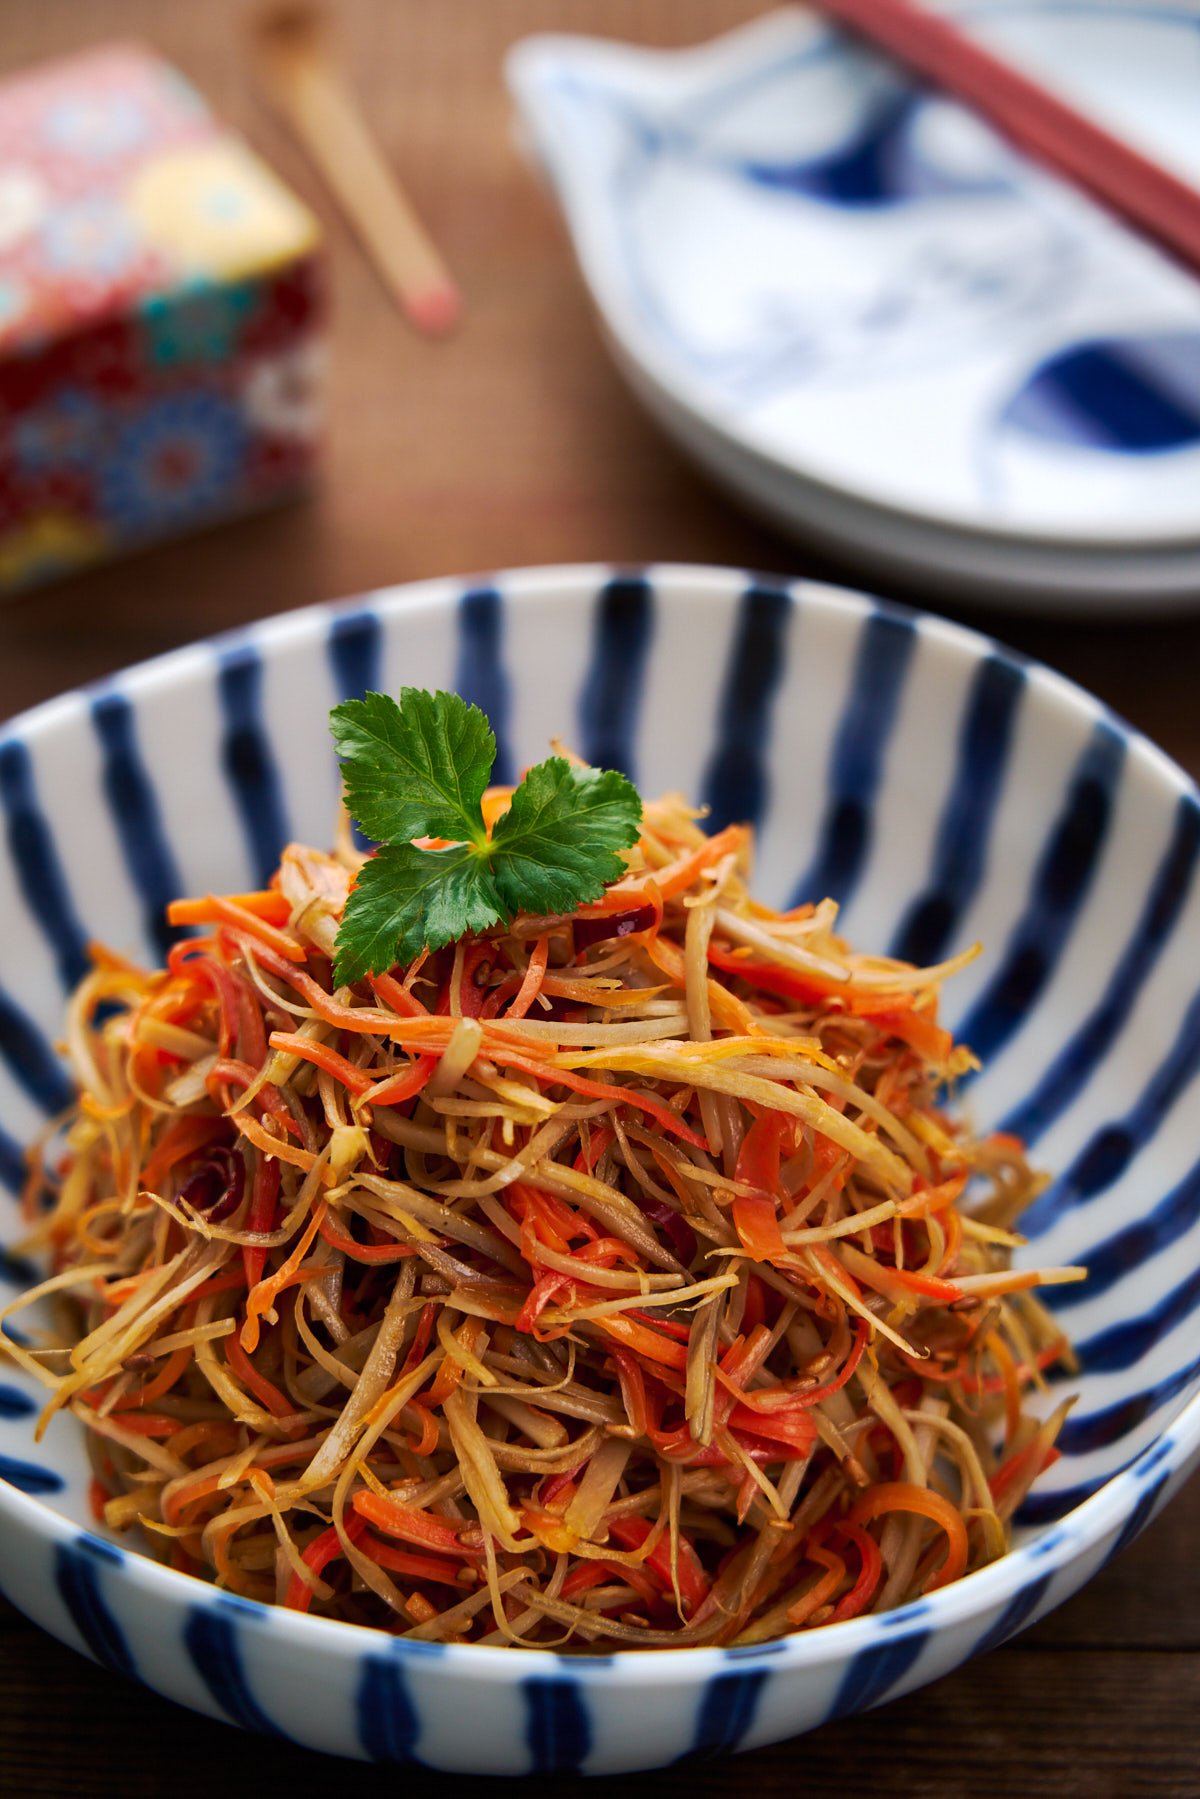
{"x": 557, "y": 844}
{"x": 417, "y": 769}
{"x": 406, "y": 900}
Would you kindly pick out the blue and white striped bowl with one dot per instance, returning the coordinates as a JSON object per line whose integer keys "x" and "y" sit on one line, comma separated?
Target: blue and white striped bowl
{"x": 943, "y": 789}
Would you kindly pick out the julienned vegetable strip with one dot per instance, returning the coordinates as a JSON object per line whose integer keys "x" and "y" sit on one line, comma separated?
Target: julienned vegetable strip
{"x": 901, "y": 1496}
{"x": 597, "y": 1281}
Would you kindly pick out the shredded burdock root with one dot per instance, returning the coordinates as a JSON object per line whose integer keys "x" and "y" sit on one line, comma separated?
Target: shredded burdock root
{"x": 608, "y": 1280}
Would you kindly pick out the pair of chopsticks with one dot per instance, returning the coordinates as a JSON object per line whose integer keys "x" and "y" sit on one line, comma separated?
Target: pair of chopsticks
{"x": 302, "y": 80}
{"x": 1054, "y": 133}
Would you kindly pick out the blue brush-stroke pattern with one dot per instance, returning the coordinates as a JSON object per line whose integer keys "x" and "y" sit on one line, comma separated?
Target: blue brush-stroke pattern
{"x": 480, "y": 676}
{"x": 1061, "y": 884}
{"x": 1120, "y": 1345}
{"x": 740, "y": 1652}
{"x": 1154, "y": 1457}
{"x": 885, "y": 649}
{"x": 78, "y": 1583}
{"x": 1148, "y": 1235}
{"x": 558, "y": 1729}
{"x": 30, "y": 1477}
{"x": 13, "y": 1169}
{"x": 964, "y": 830}
{"x": 1087, "y": 1046}
{"x": 136, "y": 816}
{"x": 1049, "y": 1543}
{"x": 1015, "y": 1615}
{"x": 18, "y": 1271}
{"x": 388, "y": 1721}
{"x": 880, "y": 165}
{"x": 248, "y": 760}
{"x": 355, "y": 653}
{"x": 736, "y": 786}
{"x": 870, "y": 170}
{"x": 1107, "y": 1155}
{"x": 212, "y": 1642}
{"x": 1048, "y": 1507}
{"x": 873, "y": 1673}
{"x": 1138, "y": 1519}
{"x": 883, "y": 162}
{"x": 611, "y": 698}
{"x": 29, "y": 1059}
{"x": 1132, "y": 395}
{"x": 728, "y": 1707}
{"x": 36, "y": 862}
{"x": 15, "y": 1404}
{"x": 1083, "y": 1434}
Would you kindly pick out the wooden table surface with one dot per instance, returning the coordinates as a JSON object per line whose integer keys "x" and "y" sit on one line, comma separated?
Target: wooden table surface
{"x": 516, "y": 443}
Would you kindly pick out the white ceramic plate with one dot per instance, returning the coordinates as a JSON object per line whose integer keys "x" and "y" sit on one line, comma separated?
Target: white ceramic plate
{"x": 868, "y": 315}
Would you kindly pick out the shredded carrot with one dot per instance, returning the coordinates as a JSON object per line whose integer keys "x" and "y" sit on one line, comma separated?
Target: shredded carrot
{"x": 263, "y": 1295}
{"x": 903, "y": 1496}
{"x": 393, "y": 993}
{"x": 645, "y": 1342}
{"x": 148, "y": 1424}
{"x": 870, "y": 1569}
{"x": 582, "y": 1305}
{"x": 412, "y": 1524}
{"x": 252, "y": 920}
{"x": 263, "y": 1389}
{"x": 578, "y": 1083}
{"x": 375, "y": 1253}
{"x": 416, "y": 1567}
{"x": 269, "y": 1145}
{"x": 322, "y": 1056}
{"x": 822, "y": 1590}
{"x": 187, "y": 1495}
{"x": 670, "y": 881}
{"x": 172, "y": 1370}
{"x": 427, "y": 1442}
{"x": 534, "y": 976}
{"x": 320, "y": 1552}
{"x": 266, "y": 904}
{"x": 394, "y": 1089}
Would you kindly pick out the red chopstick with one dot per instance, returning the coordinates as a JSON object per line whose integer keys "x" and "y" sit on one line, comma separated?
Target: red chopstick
{"x": 1124, "y": 180}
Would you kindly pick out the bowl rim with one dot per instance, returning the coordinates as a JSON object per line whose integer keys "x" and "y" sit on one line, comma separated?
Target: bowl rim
{"x": 1065, "y": 1540}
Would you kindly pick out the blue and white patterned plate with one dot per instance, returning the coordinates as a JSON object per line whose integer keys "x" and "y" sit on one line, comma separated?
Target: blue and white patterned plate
{"x": 943, "y": 789}
{"x": 863, "y": 310}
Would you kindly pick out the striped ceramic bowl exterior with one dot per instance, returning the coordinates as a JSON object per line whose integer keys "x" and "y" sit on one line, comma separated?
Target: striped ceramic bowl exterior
{"x": 943, "y": 789}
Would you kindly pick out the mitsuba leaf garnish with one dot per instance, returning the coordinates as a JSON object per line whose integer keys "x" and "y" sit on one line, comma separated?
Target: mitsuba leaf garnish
{"x": 417, "y": 769}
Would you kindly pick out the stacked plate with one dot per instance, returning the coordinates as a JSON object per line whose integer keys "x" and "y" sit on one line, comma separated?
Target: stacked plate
{"x": 875, "y": 322}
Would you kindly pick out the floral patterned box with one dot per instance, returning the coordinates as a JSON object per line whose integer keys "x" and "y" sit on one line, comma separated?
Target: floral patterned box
{"x": 160, "y": 315}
